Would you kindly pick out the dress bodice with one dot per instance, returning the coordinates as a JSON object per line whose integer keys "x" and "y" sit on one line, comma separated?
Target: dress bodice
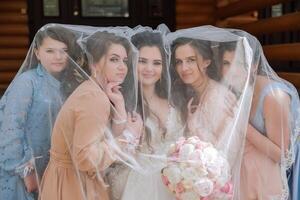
{"x": 160, "y": 140}
{"x": 258, "y": 120}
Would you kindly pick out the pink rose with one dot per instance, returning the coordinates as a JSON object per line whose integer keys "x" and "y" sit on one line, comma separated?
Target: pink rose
{"x": 227, "y": 188}
{"x": 199, "y": 145}
{"x": 179, "y": 188}
{"x": 165, "y": 180}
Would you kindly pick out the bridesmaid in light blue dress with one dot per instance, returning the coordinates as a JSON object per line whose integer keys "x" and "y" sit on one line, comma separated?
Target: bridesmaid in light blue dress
{"x": 27, "y": 112}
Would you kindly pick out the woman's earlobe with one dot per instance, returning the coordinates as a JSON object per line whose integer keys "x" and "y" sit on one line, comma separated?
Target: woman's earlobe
{"x": 93, "y": 71}
{"x": 207, "y": 63}
{"x": 36, "y": 52}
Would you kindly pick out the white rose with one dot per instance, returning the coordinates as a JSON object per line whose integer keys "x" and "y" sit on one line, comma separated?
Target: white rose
{"x": 204, "y": 187}
{"x": 172, "y": 149}
{"x": 193, "y": 140}
{"x": 195, "y": 155}
{"x": 209, "y": 154}
{"x": 189, "y": 173}
{"x": 185, "y": 151}
{"x": 173, "y": 173}
{"x": 225, "y": 172}
{"x": 187, "y": 184}
{"x": 214, "y": 169}
{"x": 190, "y": 195}
{"x": 183, "y": 165}
{"x": 201, "y": 171}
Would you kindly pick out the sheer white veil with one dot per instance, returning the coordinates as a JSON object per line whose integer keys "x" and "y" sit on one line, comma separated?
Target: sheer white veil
{"x": 201, "y": 92}
{"x": 211, "y": 121}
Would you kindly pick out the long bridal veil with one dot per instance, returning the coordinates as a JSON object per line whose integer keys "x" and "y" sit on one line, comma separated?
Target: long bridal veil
{"x": 204, "y": 95}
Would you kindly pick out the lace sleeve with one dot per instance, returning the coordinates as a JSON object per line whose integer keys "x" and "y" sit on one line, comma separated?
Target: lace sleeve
{"x": 15, "y": 151}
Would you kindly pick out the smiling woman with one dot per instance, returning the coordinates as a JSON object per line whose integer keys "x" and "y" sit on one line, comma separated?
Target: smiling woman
{"x": 28, "y": 110}
{"x": 162, "y": 124}
{"x": 52, "y": 55}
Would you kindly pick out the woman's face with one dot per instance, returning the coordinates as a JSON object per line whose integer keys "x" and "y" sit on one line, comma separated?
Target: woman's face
{"x": 190, "y": 66}
{"x": 52, "y": 54}
{"x": 149, "y": 65}
{"x": 113, "y": 65}
{"x": 233, "y": 70}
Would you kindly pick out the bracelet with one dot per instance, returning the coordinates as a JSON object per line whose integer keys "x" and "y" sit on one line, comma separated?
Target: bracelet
{"x": 128, "y": 136}
{"x": 28, "y": 170}
{"x": 121, "y": 121}
{"x": 130, "y": 140}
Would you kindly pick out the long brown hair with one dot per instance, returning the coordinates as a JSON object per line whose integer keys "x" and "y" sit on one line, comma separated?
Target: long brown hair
{"x": 181, "y": 92}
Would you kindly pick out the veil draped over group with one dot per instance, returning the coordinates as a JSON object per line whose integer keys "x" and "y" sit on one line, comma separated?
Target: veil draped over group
{"x": 213, "y": 86}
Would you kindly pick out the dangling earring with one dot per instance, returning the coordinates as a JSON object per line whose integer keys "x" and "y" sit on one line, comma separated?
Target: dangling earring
{"x": 95, "y": 75}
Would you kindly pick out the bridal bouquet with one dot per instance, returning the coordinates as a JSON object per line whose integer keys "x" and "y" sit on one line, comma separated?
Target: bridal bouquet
{"x": 197, "y": 171}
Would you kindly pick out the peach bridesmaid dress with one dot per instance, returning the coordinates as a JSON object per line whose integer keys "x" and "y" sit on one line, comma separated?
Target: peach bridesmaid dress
{"x": 79, "y": 152}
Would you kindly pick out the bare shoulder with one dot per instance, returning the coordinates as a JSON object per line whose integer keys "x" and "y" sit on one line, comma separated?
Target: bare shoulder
{"x": 276, "y": 100}
{"x": 277, "y": 95}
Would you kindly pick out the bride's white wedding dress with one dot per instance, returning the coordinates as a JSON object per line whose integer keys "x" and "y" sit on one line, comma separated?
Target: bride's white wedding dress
{"x": 148, "y": 186}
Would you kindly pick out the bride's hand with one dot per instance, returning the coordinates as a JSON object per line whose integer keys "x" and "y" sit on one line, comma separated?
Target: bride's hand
{"x": 135, "y": 124}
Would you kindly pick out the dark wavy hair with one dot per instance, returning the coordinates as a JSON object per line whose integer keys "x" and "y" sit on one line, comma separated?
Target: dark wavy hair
{"x": 152, "y": 39}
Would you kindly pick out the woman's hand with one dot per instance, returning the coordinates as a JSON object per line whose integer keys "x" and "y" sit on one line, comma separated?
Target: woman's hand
{"x": 191, "y": 118}
{"x": 112, "y": 90}
{"x": 230, "y": 104}
{"x": 114, "y": 94}
{"x": 31, "y": 183}
{"x": 135, "y": 124}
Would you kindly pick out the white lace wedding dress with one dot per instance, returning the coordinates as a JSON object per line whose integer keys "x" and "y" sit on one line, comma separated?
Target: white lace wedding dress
{"x": 128, "y": 184}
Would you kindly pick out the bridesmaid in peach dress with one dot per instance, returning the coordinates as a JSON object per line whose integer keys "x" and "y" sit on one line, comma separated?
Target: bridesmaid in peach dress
{"x": 80, "y": 152}
{"x": 268, "y": 131}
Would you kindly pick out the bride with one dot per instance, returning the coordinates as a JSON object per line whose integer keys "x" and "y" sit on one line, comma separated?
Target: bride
{"x": 162, "y": 124}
